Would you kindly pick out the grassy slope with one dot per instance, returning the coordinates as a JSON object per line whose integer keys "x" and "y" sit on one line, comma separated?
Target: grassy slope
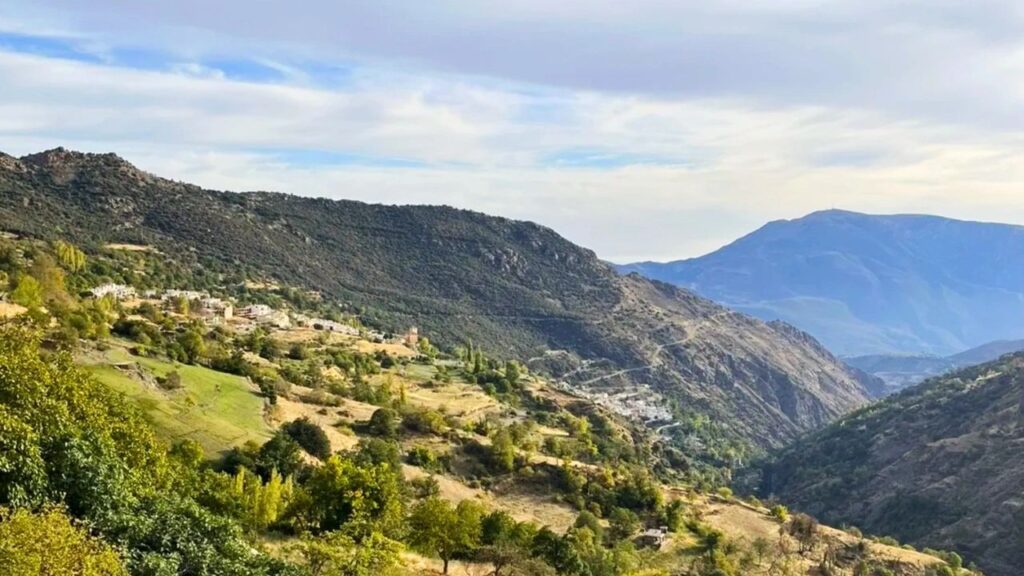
{"x": 218, "y": 410}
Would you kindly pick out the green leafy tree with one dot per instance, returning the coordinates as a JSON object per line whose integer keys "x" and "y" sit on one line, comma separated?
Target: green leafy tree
{"x": 192, "y": 343}
{"x": 280, "y": 453}
{"x": 28, "y": 293}
{"x": 623, "y": 524}
{"x": 337, "y": 553}
{"x": 311, "y": 437}
{"x": 361, "y": 498}
{"x": 437, "y": 529}
{"x": 51, "y": 280}
{"x": 503, "y": 451}
{"x": 384, "y": 423}
{"x": 69, "y": 256}
{"x": 50, "y": 543}
{"x": 588, "y": 520}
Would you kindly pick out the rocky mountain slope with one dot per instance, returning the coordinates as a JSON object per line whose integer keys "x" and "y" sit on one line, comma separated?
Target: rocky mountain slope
{"x": 512, "y": 287}
{"x": 940, "y": 465}
{"x": 866, "y": 284}
{"x": 900, "y": 371}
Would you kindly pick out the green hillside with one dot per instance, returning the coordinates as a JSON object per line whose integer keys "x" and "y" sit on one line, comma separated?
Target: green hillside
{"x": 215, "y": 409}
{"x": 939, "y": 465}
{"x": 507, "y": 286}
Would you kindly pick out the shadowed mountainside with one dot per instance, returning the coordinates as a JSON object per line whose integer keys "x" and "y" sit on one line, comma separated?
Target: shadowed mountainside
{"x": 940, "y": 464}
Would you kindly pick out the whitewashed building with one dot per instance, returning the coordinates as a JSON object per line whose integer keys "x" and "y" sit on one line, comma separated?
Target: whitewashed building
{"x": 118, "y": 291}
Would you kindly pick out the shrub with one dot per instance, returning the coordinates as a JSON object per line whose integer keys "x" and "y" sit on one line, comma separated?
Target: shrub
{"x": 424, "y": 421}
{"x": 779, "y": 512}
{"x": 310, "y": 437}
{"x": 384, "y": 423}
{"x": 172, "y": 381}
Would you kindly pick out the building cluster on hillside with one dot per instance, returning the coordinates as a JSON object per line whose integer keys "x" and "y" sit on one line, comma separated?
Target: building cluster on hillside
{"x": 266, "y": 316}
{"x": 638, "y": 405}
{"x": 326, "y": 325}
{"x": 118, "y": 291}
{"x": 173, "y": 294}
{"x": 216, "y": 307}
{"x": 219, "y": 310}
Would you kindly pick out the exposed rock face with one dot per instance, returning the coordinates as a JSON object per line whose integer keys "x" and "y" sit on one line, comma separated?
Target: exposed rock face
{"x": 514, "y": 287}
{"x": 940, "y": 464}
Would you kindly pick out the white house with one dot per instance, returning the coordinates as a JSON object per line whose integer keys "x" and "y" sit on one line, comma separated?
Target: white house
{"x": 186, "y": 294}
{"x": 118, "y": 291}
{"x": 256, "y": 311}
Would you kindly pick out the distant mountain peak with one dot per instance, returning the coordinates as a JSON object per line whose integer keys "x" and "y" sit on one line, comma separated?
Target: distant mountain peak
{"x": 64, "y": 164}
{"x": 869, "y": 284}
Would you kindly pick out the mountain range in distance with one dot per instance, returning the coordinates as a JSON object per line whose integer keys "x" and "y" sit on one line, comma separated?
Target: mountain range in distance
{"x": 900, "y": 371}
{"x": 869, "y": 285}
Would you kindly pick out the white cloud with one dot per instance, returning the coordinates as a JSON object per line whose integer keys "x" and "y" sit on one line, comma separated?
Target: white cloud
{"x": 686, "y": 169}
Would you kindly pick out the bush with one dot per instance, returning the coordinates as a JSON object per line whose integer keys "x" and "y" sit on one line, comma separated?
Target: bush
{"x": 424, "y": 421}
{"x": 172, "y": 381}
{"x": 384, "y": 423}
{"x": 779, "y": 512}
{"x": 310, "y": 437}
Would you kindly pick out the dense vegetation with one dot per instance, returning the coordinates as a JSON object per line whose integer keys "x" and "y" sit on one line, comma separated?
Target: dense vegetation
{"x": 937, "y": 465}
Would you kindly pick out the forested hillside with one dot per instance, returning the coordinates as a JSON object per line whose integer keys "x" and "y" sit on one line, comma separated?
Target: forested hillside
{"x": 507, "y": 286}
{"x": 147, "y": 429}
{"x": 939, "y": 464}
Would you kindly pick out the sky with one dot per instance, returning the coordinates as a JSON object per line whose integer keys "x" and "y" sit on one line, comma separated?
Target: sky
{"x": 644, "y": 130}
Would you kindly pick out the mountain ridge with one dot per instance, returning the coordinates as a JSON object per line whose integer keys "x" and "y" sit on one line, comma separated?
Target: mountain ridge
{"x": 866, "y": 284}
{"x": 900, "y": 371}
{"x": 460, "y": 275}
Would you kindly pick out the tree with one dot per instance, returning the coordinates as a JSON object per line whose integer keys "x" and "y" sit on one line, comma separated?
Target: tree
{"x": 503, "y": 451}
{"x": 28, "y": 293}
{"x": 50, "y": 543}
{"x": 384, "y": 423}
{"x": 438, "y": 529}
{"x": 309, "y": 436}
{"x": 362, "y": 498}
{"x": 181, "y": 305}
{"x": 780, "y": 513}
{"x": 69, "y": 256}
{"x": 505, "y": 542}
{"x": 804, "y": 529}
{"x": 512, "y": 372}
{"x": 674, "y": 515}
{"x": 337, "y": 553}
{"x": 51, "y": 279}
{"x": 298, "y": 351}
{"x": 623, "y": 524}
{"x": 280, "y": 453}
{"x": 588, "y": 520}
{"x": 192, "y": 343}
{"x": 262, "y": 503}
{"x": 557, "y": 551}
